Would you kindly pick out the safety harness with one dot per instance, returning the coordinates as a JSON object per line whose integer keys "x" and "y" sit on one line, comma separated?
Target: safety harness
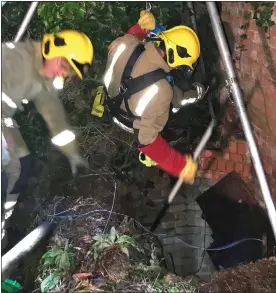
{"x": 130, "y": 86}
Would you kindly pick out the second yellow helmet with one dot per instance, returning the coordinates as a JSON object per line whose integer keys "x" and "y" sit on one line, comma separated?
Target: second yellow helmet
{"x": 182, "y": 46}
{"x": 73, "y": 45}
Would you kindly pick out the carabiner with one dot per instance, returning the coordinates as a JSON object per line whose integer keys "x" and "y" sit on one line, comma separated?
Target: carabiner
{"x": 148, "y": 6}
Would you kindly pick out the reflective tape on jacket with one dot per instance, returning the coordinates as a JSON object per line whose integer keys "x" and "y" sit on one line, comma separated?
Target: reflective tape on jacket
{"x": 63, "y": 138}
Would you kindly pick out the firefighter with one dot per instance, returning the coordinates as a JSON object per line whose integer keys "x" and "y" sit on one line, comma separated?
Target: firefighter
{"x": 35, "y": 71}
{"x": 139, "y": 88}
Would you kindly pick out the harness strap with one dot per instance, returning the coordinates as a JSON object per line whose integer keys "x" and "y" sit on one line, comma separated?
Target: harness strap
{"x": 130, "y": 86}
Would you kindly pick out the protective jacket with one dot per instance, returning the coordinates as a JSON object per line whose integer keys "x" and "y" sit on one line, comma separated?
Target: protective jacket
{"x": 22, "y": 64}
{"x": 150, "y": 106}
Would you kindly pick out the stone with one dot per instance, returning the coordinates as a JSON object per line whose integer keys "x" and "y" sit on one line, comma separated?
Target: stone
{"x": 188, "y": 214}
{"x": 178, "y": 208}
{"x": 188, "y": 230}
{"x": 168, "y": 225}
{"x": 171, "y": 240}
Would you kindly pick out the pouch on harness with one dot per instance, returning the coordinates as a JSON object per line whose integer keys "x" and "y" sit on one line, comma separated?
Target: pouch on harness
{"x": 130, "y": 86}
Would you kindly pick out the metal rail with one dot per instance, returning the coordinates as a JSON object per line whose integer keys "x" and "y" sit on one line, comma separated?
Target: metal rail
{"x": 25, "y": 247}
{"x": 26, "y": 21}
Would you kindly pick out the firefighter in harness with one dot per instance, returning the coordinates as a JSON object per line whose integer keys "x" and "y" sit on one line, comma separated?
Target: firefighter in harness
{"x": 139, "y": 89}
{"x": 35, "y": 71}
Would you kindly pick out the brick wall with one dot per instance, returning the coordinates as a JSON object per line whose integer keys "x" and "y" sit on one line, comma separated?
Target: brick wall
{"x": 256, "y": 70}
{"x": 216, "y": 165}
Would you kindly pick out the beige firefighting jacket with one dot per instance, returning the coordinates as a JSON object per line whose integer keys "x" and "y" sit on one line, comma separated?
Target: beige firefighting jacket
{"x": 22, "y": 82}
{"x": 151, "y": 104}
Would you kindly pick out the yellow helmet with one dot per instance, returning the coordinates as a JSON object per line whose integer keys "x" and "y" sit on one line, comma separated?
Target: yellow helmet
{"x": 182, "y": 46}
{"x": 73, "y": 45}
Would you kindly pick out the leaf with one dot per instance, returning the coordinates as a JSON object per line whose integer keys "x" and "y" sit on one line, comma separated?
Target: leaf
{"x": 97, "y": 237}
{"x": 113, "y": 234}
{"x": 49, "y": 261}
{"x": 51, "y": 253}
{"x": 125, "y": 238}
{"x": 125, "y": 251}
{"x": 64, "y": 262}
{"x": 50, "y": 282}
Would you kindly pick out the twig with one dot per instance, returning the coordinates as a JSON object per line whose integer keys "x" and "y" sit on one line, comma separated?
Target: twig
{"x": 81, "y": 205}
{"x": 114, "y": 196}
{"x": 96, "y": 174}
{"x": 156, "y": 279}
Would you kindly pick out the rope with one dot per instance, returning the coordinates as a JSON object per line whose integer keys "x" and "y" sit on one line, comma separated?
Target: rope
{"x": 220, "y": 248}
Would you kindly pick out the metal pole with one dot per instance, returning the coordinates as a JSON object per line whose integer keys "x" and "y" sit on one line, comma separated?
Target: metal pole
{"x": 26, "y": 21}
{"x": 227, "y": 61}
{"x": 25, "y": 246}
{"x": 197, "y": 152}
{"x": 190, "y": 5}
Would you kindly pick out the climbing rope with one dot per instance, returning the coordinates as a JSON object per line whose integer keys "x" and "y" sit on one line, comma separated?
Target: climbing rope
{"x": 220, "y": 248}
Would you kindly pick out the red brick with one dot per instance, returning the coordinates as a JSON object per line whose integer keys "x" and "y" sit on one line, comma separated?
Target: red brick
{"x": 207, "y": 154}
{"x": 257, "y": 100}
{"x": 200, "y": 174}
{"x": 242, "y": 148}
{"x": 255, "y": 69}
{"x": 272, "y": 42}
{"x": 215, "y": 175}
{"x": 240, "y": 12}
{"x": 273, "y": 53}
{"x": 230, "y": 166}
{"x": 246, "y": 170}
{"x": 213, "y": 164}
{"x": 250, "y": 36}
{"x": 252, "y": 25}
{"x": 221, "y": 165}
{"x": 247, "y": 45}
{"x": 273, "y": 32}
{"x": 268, "y": 167}
{"x": 226, "y": 156}
{"x": 222, "y": 175}
{"x": 205, "y": 163}
{"x": 246, "y": 64}
{"x": 268, "y": 73}
{"x": 239, "y": 168}
{"x": 253, "y": 54}
{"x": 236, "y": 157}
{"x": 208, "y": 174}
{"x": 232, "y": 147}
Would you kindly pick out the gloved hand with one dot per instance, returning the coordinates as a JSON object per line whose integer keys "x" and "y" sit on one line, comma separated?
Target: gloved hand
{"x": 194, "y": 95}
{"x": 78, "y": 163}
{"x": 146, "y": 20}
{"x": 189, "y": 172}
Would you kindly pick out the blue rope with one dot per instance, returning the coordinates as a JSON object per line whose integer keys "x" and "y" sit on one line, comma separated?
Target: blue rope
{"x": 230, "y": 245}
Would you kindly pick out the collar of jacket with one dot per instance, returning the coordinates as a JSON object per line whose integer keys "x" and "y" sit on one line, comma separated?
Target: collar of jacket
{"x": 155, "y": 58}
{"x": 38, "y": 58}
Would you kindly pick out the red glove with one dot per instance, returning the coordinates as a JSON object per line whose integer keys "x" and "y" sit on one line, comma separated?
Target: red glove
{"x": 165, "y": 156}
{"x": 137, "y": 31}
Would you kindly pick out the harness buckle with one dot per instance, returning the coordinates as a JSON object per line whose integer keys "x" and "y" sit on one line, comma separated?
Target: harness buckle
{"x": 122, "y": 88}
